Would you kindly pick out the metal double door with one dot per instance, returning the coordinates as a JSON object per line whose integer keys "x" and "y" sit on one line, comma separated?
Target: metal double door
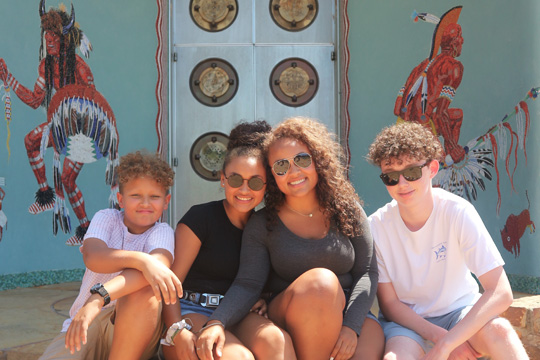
{"x": 243, "y": 60}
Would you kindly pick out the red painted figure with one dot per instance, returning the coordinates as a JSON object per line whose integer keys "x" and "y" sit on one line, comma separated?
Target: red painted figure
{"x": 443, "y": 74}
{"x": 59, "y": 66}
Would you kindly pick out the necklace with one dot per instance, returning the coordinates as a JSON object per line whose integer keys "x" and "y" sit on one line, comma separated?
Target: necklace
{"x": 298, "y": 212}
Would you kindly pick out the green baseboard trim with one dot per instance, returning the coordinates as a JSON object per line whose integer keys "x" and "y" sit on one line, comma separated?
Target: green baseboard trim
{"x": 525, "y": 283}
{"x": 38, "y": 278}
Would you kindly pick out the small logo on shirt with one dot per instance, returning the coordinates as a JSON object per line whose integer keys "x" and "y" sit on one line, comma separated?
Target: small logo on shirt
{"x": 440, "y": 252}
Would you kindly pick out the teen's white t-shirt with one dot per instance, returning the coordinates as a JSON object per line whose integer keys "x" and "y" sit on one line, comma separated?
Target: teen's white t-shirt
{"x": 430, "y": 269}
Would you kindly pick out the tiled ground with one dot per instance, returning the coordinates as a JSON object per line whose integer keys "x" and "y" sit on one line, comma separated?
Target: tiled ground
{"x": 31, "y": 317}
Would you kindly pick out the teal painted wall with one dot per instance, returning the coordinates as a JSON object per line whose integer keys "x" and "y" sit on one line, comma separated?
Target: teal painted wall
{"x": 500, "y": 56}
{"x": 124, "y": 39}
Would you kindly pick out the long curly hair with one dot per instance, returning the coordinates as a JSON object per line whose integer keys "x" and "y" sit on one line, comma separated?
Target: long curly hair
{"x": 335, "y": 193}
{"x": 407, "y": 139}
{"x": 143, "y": 164}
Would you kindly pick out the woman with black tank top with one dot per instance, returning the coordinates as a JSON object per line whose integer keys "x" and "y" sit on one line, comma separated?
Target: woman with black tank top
{"x": 313, "y": 244}
{"x": 207, "y": 255}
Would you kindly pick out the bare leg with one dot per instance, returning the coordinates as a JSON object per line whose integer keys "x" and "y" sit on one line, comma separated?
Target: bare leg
{"x": 137, "y": 317}
{"x": 265, "y": 339}
{"x": 370, "y": 344}
{"x": 402, "y": 348}
{"x": 233, "y": 349}
{"x": 311, "y": 310}
{"x": 499, "y": 340}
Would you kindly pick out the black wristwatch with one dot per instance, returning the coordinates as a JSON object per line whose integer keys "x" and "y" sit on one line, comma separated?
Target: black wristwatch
{"x": 99, "y": 289}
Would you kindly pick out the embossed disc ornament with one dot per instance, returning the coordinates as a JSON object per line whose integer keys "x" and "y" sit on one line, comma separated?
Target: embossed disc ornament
{"x": 294, "y": 82}
{"x": 213, "y": 15}
{"x": 293, "y": 15}
{"x": 207, "y": 155}
{"x": 213, "y": 82}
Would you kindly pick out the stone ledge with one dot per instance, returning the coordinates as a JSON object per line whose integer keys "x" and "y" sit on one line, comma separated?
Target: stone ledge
{"x": 524, "y": 315}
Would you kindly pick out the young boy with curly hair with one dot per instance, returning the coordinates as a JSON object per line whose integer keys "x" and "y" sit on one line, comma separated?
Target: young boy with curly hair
{"x": 428, "y": 242}
{"x": 127, "y": 256}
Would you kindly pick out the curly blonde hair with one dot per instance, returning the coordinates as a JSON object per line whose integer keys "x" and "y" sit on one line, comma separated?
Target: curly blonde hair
{"x": 143, "y": 164}
{"x": 335, "y": 193}
{"x": 407, "y": 139}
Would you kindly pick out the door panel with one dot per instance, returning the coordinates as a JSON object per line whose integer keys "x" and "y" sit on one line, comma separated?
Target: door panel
{"x": 320, "y": 31}
{"x": 320, "y": 107}
{"x": 194, "y": 119}
{"x": 253, "y": 45}
{"x": 185, "y": 31}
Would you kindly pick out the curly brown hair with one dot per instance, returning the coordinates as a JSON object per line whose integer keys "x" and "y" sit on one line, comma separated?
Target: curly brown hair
{"x": 335, "y": 193}
{"x": 408, "y": 139}
{"x": 143, "y": 164}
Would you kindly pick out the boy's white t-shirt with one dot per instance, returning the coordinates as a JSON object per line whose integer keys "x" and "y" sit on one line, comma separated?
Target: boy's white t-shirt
{"x": 108, "y": 225}
{"x": 430, "y": 269}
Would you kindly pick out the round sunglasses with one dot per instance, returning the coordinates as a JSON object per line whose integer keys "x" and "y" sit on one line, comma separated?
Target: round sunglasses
{"x": 412, "y": 173}
{"x": 302, "y": 160}
{"x": 255, "y": 183}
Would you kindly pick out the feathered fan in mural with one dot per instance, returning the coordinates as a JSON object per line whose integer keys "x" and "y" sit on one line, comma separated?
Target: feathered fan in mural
{"x": 426, "y": 97}
{"x": 80, "y": 123}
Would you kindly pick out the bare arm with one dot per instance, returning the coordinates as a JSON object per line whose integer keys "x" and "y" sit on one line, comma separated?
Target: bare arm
{"x": 31, "y": 98}
{"x": 186, "y": 248}
{"x": 497, "y": 297}
{"x": 394, "y": 310}
{"x": 129, "y": 281}
{"x": 139, "y": 269}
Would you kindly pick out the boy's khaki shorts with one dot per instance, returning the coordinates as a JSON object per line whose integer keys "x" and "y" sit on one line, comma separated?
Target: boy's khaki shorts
{"x": 99, "y": 341}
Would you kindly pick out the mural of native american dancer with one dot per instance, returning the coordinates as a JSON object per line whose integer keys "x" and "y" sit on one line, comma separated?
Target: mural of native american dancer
{"x": 80, "y": 124}
{"x": 426, "y": 97}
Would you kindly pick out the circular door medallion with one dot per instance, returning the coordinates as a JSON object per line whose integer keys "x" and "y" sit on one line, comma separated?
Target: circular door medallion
{"x": 213, "y": 82}
{"x": 294, "y": 82}
{"x": 293, "y": 15}
{"x": 207, "y": 155}
{"x": 213, "y": 15}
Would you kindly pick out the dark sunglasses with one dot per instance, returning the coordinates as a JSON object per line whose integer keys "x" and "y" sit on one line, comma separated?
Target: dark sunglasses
{"x": 412, "y": 173}
{"x": 255, "y": 183}
{"x": 281, "y": 167}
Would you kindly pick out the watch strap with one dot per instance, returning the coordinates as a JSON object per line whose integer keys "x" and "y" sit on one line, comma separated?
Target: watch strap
{"x": 101, "y": 291}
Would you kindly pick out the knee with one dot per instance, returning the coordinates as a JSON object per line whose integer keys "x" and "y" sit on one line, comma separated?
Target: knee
{"x": 272, "y": 340}
{"x": 320, "y": 281}
{"x": 496, "y": 330}
{"x": 66, "y": 181}
{"x": 30, "y": 143}
{"x": 142, "y": 300}
{"x": 243, "y": 354}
